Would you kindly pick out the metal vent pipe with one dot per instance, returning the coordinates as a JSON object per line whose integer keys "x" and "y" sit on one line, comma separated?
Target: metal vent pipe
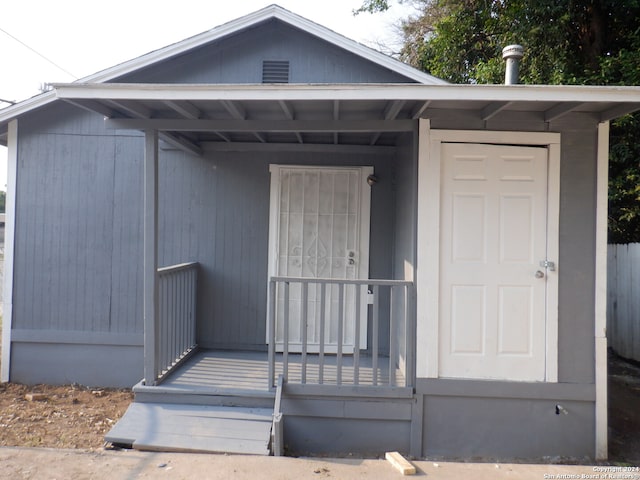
{"x": 512, "y": 54}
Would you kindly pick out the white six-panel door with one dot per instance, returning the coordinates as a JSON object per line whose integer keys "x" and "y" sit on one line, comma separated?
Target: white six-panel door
{"x": 319, "y": 229}
{"x": 493, "y": 236}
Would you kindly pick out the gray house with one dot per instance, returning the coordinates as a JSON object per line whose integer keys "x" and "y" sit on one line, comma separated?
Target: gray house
{"x": 271, "y": 218}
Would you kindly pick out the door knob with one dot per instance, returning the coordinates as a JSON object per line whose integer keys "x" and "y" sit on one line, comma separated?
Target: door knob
{"x": 539, "y": 274}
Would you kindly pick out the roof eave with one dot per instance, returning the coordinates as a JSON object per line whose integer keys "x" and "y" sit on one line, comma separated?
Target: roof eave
{"x": 490, "y": 93}
{"x": 9, "y": 113}
{"x": 239, "y": 24}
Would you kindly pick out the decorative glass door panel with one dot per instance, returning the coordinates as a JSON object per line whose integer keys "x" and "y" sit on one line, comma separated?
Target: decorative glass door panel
{"x": 321, "y": 231}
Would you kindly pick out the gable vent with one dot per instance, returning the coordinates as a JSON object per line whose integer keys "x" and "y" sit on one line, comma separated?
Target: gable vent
{"x": 275, "y": 71}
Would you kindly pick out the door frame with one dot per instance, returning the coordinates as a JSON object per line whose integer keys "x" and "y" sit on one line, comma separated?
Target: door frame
{"x": 428, "y": 271}
{"x": 365, "y": 228}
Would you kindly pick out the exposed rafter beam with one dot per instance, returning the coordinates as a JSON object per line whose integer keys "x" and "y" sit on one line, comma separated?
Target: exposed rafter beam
{"x": 296, "y": 147}
{"x": 336, "y": 116}
{"x": 142, "y": 113}
{"x": 239, "y": 113}
{"x": 560, "y": 110}
{"x": 420, "y": 109}
{"x": 391, "y": 111}
{"x": 93, "y": 106}
{"x": 287, "y": 109}
{"x": 223, "y": 136}
{"x": 618, "y": 111}
{"x": 492, "y": 109}
{"x": 362, "y": 126}
{"x": 179, "y": 141}
{"x": 186, "y": 109}
{"x": 289, "y": 112}
{"x": 135, "y": 109}
{"x": 235, "y": 109}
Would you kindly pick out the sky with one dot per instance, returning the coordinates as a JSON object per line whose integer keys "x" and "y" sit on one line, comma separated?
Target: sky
{"x": 83, "y": 37}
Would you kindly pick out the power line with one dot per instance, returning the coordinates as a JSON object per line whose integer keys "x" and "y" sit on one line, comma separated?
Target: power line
{"x": 39, "y": 54}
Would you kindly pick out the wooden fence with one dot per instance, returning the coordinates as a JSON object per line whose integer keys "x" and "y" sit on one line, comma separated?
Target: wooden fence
{"x": 623, "y": 300}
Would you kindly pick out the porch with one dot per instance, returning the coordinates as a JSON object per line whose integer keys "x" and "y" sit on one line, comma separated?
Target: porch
{"x": 173, "y": 357}
{"x": 199, "y": 399}
{"x": 246, "y": 372}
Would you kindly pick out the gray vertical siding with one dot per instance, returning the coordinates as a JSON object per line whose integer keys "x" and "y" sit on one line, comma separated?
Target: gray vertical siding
{"x": 78, "y": 255}
{"x": 63, "y": 232}
{"x": 78, "y": 229}
{"x": 238, "y": 59}
{"x": 576, "y": 265}
{"x": 405, "y": 216}
{"x": 218, "y": 214}
{"x": 126, "y": 252}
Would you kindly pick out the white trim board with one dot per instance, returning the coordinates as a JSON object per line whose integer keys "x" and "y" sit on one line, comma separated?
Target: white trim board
{"x": 428, "y": 271}
{"x": 9, "y": 248}
{"x": 602, "y": 185}
{"x": 381, "y": 91}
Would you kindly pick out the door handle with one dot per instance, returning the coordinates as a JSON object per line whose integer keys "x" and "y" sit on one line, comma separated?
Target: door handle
{"x": 539, "y": 274}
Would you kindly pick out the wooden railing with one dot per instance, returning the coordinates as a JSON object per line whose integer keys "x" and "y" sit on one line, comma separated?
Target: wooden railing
{"x": 385, "y": 361}
{"x": 176, "y": 324}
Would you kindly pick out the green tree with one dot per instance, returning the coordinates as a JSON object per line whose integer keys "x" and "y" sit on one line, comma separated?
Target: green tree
{"x": 595, "y": 42}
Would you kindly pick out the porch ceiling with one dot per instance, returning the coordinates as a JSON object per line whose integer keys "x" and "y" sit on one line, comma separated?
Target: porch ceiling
{"x": 188, "y": 116}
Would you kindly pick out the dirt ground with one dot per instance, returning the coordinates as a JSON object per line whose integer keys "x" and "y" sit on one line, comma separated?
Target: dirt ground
{"x": 69, "y": 416}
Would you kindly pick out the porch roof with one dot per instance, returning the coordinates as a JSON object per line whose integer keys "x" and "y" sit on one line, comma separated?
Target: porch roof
{"x": 189, "y": 115}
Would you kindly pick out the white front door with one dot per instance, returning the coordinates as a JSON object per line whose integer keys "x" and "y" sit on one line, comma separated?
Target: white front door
{"x": 493, "y": 237}
{"x": 319, "y": 228}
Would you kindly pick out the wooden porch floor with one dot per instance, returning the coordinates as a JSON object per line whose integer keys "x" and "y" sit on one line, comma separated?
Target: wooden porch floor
{"x": 240, "y": 370}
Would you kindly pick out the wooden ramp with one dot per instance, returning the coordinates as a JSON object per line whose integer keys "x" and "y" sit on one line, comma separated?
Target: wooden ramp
{"x": 194, "y": 428}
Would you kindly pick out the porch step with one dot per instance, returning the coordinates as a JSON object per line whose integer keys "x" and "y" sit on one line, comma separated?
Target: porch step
{"x": 171, "y": 427}
{"x": 203, "y": 395}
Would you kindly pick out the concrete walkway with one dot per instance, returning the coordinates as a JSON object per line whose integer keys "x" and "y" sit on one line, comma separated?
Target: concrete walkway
{"x": 38, "y": 463}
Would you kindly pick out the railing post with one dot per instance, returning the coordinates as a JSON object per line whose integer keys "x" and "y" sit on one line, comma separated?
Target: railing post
{"x": 393, "y": 339}
{"x": 374, "y": 334}
{"x": 356, "y": 340}
{"x": 323, "y": 292}
{"x": 193, "y": 308}
{"x": 150, "y": 307}
{"x": 271, "y": 327}
{"x": 285, "y": 333}
{"x": 410, "y": 337}
{"x": 340, "y": 333}
{"x": 305, "y": 313}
